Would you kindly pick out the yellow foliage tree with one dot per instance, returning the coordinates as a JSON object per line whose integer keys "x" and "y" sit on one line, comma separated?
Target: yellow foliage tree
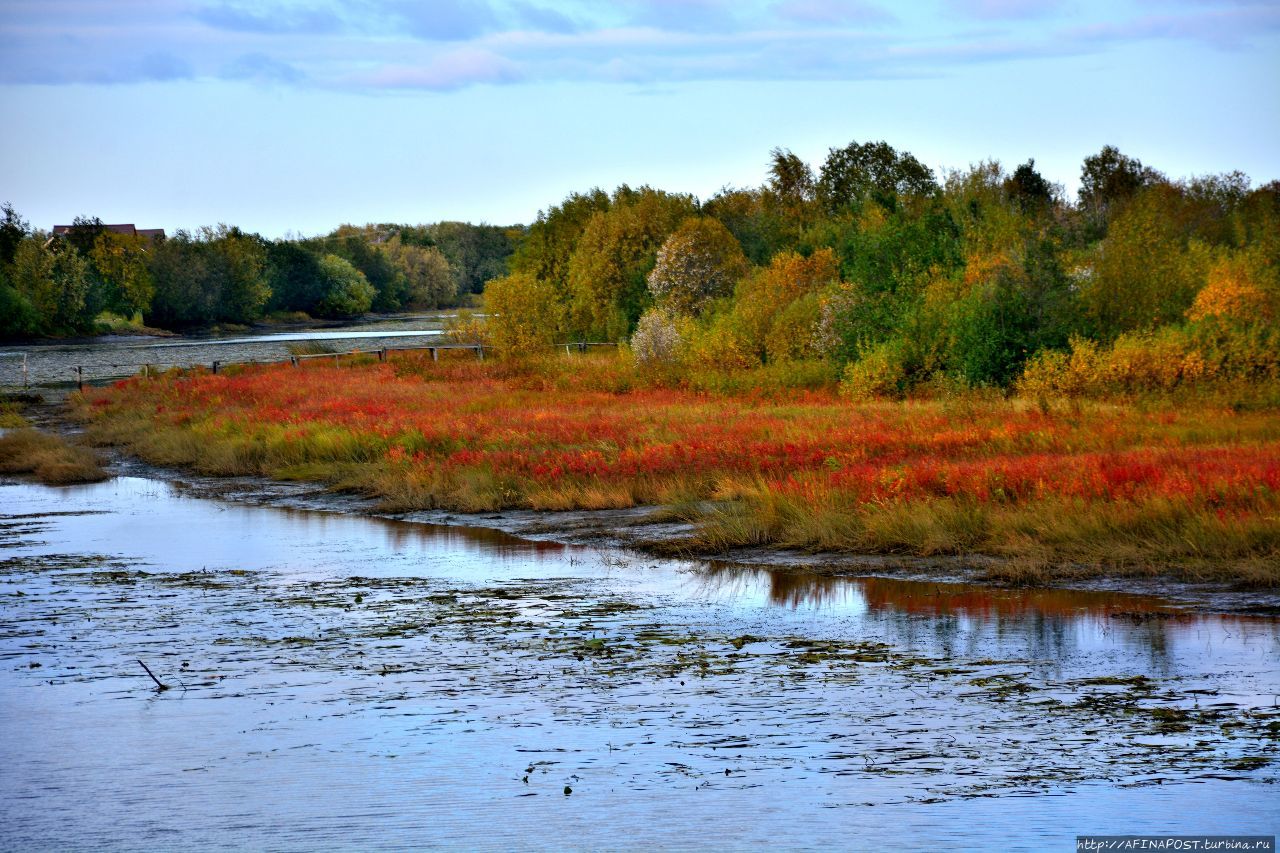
{"x": 1237, "y": 290}
{"x": 762, "y": 298}
{"x": 525, "y": 315}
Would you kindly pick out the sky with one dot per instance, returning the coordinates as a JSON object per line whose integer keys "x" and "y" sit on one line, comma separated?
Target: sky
{"x": 294, "y": 117}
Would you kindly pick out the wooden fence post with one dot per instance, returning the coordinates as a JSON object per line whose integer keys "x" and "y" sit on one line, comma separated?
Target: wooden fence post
{"x": 215, "y": 368}
{"x": 80, "y": 377}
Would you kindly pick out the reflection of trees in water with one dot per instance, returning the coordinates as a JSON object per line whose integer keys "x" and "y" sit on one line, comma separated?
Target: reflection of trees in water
{"x": 400, "y": 534}
{"x": 1046, "y": 624}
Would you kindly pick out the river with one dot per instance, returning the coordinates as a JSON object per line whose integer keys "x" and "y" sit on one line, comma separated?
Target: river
{"x": 53, "y": 364}
{"x": 337, "y": 681}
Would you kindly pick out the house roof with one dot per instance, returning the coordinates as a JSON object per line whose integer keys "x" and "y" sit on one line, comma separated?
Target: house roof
{"x": 127, "y": 228}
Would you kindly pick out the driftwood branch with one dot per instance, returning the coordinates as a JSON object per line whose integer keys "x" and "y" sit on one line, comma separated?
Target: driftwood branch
{"x": 160, "y": 685}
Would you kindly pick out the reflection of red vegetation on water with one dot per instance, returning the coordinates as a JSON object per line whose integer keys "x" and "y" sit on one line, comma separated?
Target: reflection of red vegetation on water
{"x": 985, "y": 601}
{"x": 926, "y": 598}
{"x": 789, "y": 588}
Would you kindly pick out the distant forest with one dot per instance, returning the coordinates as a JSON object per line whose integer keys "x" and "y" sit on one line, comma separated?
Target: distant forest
{"x": 62, "y": 285}
{"x": 872, "y": 264}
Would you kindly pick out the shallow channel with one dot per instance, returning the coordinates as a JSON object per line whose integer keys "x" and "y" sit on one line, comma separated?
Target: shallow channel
{"x": 54, "y": 364}
{"x": 344, "y": 682}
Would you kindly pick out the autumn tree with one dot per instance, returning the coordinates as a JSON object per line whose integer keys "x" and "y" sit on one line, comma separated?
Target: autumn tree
{"x": 552, "y": 239}
{"x": 120, "y": 261}
{"x": 701, "y": 260}
{"x": 1147, "y": 273}
{"x": 764, "y": 303}
{"x": 524, "y": 314}
{"x": 617, "y": 248}
{"x": 1241, "y": 287}
{"x": 429, "y": 281}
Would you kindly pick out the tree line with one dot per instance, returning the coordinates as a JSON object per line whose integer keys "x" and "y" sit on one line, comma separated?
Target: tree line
{"x": 895, "y": 276}
{"x": 870, "y": 265}
{"x": 65, "y": 284}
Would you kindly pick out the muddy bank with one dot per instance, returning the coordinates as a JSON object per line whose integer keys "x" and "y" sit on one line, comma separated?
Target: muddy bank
{"x": 637, "y": 530}
{"x": 658, "y": 532}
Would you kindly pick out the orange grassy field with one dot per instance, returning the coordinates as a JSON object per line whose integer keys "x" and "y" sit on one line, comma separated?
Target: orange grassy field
{"x": 1058, "y": 488}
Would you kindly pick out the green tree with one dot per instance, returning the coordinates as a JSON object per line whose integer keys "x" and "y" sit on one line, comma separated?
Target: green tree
{"x": 54, "y": 282}
{"x": 347, "y": 293}
{"x": 187, "y": 288}
{"x": 755, "y": 219}
{"x": 18, "y": 319}
{"x": 872, "y": 171}
{"x": 790, "y": 179}
{"x": 1147, "y": 273}
{"x": 355, "y": 244}
{"x": 293, "y": 272}
{"x": 474, "y": 253}
{"x": 240, "y": 265}
{"x": 1028, "y": 189}
{"x": 1108, "y": 179}
{"x": 553, "y": 238}
{"x": 13, "y": 229}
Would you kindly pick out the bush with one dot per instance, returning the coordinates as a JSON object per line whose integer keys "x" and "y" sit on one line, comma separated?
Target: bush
{"x": 1211, "y": 351}
{"x": 880, "y": 372}
{"x": 658, "y": 343}
{"x": 793, "y": 335}
{"x": 720, "y": 343}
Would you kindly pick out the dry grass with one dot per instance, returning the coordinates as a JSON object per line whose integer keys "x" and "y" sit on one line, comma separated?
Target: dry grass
{"x": 49, "y": 458}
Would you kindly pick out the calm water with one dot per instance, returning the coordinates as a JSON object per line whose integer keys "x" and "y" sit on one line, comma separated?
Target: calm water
{"x": 340, "y": 682}
{"x": 54, "y": 364}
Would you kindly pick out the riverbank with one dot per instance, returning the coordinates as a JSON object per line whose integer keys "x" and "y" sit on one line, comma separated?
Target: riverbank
{"x": 1020, "y": 493}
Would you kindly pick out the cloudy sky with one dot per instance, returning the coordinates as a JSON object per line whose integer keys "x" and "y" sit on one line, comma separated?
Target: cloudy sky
{"x": 297, "y": 116}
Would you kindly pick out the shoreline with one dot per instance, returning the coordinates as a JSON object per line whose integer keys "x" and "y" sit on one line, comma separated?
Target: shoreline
{"x": 629, "y": 529}
{"x": 658, "y": 531}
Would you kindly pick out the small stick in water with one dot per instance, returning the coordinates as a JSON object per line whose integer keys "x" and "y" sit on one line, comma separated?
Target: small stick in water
{"x": 160, "y": 685}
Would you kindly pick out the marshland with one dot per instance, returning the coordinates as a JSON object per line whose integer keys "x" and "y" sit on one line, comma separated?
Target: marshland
{"x": 916, "y": 486}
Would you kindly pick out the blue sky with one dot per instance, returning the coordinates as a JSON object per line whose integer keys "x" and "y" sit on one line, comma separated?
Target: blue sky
{"x": 297, "y": 116}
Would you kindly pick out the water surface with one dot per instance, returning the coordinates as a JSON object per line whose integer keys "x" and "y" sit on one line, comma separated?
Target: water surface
{"x": 54, "y": 364}
{"x": 341, "y": 682}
